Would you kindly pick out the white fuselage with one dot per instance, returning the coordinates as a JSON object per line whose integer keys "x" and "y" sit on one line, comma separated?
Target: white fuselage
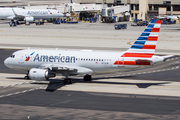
{"x": 9, "y": 13}
{"x": 98, "y": 62}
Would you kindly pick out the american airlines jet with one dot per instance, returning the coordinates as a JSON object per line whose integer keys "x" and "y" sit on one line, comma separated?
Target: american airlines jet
{"x": 20, "y": 14}
{"x": 44, "y": 64}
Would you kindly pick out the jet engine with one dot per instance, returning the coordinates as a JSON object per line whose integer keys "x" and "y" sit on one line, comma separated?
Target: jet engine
{"x": 40, "y": 74}
{"x": 29, "y": 19}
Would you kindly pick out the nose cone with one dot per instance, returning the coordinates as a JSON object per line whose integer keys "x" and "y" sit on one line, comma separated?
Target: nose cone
{"x": 6, "y": 62}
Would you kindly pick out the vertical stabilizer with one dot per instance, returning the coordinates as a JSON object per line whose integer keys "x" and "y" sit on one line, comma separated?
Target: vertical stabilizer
{"x": 145, "y": 45}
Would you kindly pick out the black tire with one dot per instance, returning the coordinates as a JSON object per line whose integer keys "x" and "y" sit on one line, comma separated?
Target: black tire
{"x": 64, "y": 81}
{"x": 26, "y": 78}
{"x": 87, "y": 78}
{"x": 67, "y": 81}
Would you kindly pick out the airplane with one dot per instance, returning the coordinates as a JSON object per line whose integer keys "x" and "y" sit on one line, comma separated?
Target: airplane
{"x": 20, "y": 14}
{"x": 44, "y": 64}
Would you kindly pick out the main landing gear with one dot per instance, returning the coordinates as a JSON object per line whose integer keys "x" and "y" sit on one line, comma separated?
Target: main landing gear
{"x": 87, "y": 78}
{"x": 67, "y": 81}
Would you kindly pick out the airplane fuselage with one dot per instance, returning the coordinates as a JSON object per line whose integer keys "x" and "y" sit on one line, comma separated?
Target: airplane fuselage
{"x": 8, "y": 13}
{"x": 98, "y": 62}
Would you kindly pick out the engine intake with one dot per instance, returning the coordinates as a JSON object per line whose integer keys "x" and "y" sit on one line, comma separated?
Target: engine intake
{"x": 40, "y": 74}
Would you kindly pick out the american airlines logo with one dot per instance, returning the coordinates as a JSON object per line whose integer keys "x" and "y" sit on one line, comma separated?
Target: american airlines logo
{"x": 50, "y": 12}
{"x": 59, "y": 58}
{"x": 28, "y": 57}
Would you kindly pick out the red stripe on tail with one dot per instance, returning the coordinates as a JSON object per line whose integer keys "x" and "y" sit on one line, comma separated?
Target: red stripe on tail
{"x": 149, "y": 47}
{"x": 150, "y": 38}
{"x": 144, "y": 55}
{"x": 155, "y": 30}
{"x": 158, "y": 22}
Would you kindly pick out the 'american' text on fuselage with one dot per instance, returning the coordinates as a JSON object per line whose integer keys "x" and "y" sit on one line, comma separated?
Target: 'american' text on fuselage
{"x": 59, "y": 58}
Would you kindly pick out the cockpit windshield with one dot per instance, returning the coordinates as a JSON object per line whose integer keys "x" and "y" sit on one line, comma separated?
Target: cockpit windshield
{"x": 12, "y": 56}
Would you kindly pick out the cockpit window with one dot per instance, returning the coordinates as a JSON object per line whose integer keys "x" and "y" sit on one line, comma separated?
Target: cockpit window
{"x": 12, "y": 56}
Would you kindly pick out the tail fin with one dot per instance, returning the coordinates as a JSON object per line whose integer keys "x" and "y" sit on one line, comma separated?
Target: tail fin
{"x": 145, "y": 45}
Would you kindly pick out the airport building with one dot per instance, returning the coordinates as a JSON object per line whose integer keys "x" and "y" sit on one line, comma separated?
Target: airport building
{"x": 144, "y": 9}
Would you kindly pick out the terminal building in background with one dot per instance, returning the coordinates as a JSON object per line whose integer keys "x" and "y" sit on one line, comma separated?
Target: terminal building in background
{"x": 144, "y": 9}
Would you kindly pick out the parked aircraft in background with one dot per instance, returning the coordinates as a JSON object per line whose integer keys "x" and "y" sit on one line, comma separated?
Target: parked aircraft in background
{"x": 168, "y": 17}
{"x": 20, "y": 14}
{"x": 44, "y": 64}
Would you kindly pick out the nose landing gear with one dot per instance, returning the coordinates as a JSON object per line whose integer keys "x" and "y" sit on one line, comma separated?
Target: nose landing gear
{"x": 27, "y": 76}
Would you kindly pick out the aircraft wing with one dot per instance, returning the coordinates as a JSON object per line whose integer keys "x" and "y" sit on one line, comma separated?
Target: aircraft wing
{"x": 74, "y": 70}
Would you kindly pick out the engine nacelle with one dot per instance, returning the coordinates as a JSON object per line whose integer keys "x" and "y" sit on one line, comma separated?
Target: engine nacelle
{"x": 40, "y": 74}
{"x": 29, "y": 19}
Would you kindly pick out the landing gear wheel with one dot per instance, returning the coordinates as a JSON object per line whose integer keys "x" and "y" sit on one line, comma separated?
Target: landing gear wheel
{"x": 87, "y": 78}
{"x": 67, "y": 81}
{"x": 26, "y": 78}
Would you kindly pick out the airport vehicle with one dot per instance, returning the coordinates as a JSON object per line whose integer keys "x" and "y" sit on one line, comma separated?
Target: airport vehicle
{"x": 20, "y": 14}
{"x": 44, "y": 64}
{"x": 120, "y": 26}
{"x": 139, "y": 22}
{"x": 56, "y": 22}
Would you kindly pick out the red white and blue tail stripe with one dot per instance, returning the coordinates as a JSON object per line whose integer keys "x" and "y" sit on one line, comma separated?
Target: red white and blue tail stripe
{"x": 142, "y": 51}
{"x": 145, "y": 45}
